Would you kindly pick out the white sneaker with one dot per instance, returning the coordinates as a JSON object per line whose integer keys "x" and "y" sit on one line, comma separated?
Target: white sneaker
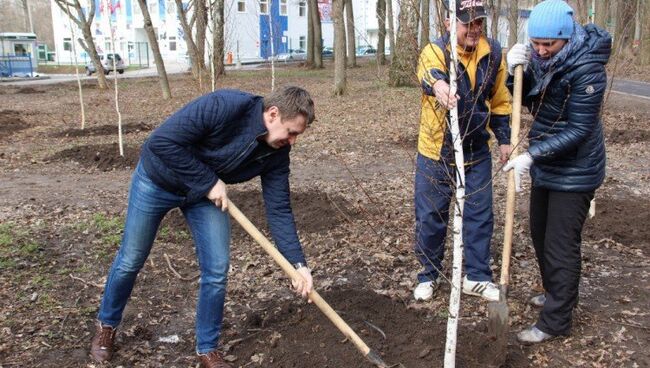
{"x": 533, "y": 335}
{"x": 485, "y": 289}
{"x": 424, "y": 290}
{"x": 538, "y": 300}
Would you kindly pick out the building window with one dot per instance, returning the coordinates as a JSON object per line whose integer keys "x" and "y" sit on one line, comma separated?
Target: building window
{"x": 241, "y": 6}
{"x": 67, "y": 44}
{"x": 172, "y": 43}
{"x": 302, "y": 42}
{"x": 21, "y": 49}
{"x": 283, "y": 7}
{"x": 264, "y": 6}
{"x": 302, "y": 9}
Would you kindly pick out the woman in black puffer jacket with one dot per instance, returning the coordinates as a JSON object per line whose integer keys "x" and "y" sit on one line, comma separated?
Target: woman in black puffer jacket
{"x": 563, "y": 89}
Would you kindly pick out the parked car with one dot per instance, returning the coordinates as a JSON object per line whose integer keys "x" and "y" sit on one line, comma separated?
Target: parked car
{"x": 292, "y": 55}
{"x": 107, "y": 64}
{"x": 366, "y": 50}
{"x": 327, "y": 52}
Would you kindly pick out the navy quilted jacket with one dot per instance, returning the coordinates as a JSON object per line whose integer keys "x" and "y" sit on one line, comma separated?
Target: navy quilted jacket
{"x": 566, "y": 138}
{"x": 216, "y": 137}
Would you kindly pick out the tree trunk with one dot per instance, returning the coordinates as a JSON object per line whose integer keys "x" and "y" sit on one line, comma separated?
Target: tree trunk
{"x": 424, "y": 24}
{"x": 153, "y": 40}
{"x": 340, "y": 82}
{"x": 310, "y": 39}
{"x": 581, "y": 9}
{"x": 391, "y": 23}
{"x": 201, "y": 26}
{"x": 381, "y": 33}
{"x": 495, "y": 12}
{"x": 29, "y": 24}
{"x": 513, "y": 22}
{"x": 218, "y": 38}
{"x": 351, "y": 41}
{"x": 645, "y": 34}
{"x": 83, "y": 22}
{"x": 318, "y": 33}
{"x": 602, "y": 13}
{"x": 198, "y": 65}
{"x": 405, "y": 54}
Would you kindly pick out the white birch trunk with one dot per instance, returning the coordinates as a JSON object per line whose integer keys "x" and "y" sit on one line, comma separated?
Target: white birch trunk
{"x": 117, "y": 95}
{"x": 454, "y": 298}
{"x": 76, "y": 70}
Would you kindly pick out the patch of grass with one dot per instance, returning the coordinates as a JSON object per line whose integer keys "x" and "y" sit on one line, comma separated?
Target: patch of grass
{"x": 42, "y": 281}
{"x": 290, "y": 72}
{"x": 110, "y": 229}
{"x": 15, "y": 243}
{"x": 47, "y": 302}
{"x": 6, "y": 234}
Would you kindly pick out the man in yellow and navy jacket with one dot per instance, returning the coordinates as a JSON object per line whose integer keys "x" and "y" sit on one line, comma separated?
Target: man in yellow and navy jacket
{"x": 483, "y": 102}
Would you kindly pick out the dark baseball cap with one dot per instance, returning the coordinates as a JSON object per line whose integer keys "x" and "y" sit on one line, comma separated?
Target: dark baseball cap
{"x": 469, "y": 10}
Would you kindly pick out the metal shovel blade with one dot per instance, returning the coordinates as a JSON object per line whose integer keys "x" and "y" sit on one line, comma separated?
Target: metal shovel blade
{"x": 374, "y": 358}
{"x": 498, "y": 328}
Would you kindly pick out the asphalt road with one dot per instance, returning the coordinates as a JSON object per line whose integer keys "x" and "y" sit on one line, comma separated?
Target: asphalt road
{"x": 631, "y": 88}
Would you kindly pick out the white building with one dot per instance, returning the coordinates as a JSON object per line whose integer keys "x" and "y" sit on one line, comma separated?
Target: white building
{"x": 247, "y": 31}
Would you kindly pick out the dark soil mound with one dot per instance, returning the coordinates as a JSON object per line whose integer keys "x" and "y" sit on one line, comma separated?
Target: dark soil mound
{"x": 621, "y": 219}
{"x": 11, "y": 122}
{"x": 620, "y": 136}
{"x": 107, "y": 129}
{"x": 314, "y": 211}
{"x": 105, "y": 157}
{"x": 299, "y": 335}
{"x": 28, "y": 90}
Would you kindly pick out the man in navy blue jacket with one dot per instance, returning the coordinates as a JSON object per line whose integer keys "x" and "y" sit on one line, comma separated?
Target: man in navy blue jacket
{"x": 221, "y": 138}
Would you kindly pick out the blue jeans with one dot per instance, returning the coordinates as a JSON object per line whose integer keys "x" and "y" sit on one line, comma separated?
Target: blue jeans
{"x": 210, "y": 227}
{"x": 434, "y": 188}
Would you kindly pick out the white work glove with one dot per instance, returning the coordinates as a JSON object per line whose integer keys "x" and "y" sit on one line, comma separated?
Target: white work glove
{"x": 521, "y": 164}
{"x": 519, "y": 54}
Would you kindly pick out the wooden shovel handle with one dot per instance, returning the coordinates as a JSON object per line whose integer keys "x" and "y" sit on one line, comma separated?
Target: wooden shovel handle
{"x": 510, "y": 196}
{"x": 291, "y": 272}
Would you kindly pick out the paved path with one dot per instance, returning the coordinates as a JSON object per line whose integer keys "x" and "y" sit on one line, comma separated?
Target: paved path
{"x": 631, "y": 88}
{"x": 170, "y": 67}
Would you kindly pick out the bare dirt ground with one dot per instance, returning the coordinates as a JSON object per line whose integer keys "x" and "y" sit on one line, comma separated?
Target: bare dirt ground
{"x": 63, "y": 196}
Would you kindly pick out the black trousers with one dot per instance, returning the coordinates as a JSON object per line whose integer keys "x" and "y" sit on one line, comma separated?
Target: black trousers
{"x": 556, "y": 220}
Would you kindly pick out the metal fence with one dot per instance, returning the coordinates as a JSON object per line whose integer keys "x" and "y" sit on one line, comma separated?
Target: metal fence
{"x": 16, "y": 66}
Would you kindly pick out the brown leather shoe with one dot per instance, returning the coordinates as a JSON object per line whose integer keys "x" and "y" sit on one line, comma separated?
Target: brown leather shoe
{"x": 101, "y": 348}
{"x": 213, "y": 359}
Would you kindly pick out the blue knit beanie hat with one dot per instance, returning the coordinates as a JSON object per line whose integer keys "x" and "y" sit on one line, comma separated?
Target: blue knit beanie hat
{"x": 551, "y": 19}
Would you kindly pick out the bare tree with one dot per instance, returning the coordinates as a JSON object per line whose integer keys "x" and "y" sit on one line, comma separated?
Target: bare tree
{"x": 405, "y": 54}
{"x": 495, "y": 12}
{"x": 513, "y": 22}
{"x": 84, "y": 20}
{"x": 351, "y": 41}
{"x": 198, "y": 65}
{"x": 201, "y": 23}
{"x": 153, "y": 41}
{"x": 76, "y": 70}
{"x": 381, "y": 32}
{"x": 602, "y": 13}
{"x": 340, "y": 82}
{"x": 29, "y": 24}
{"x": 645, "y": 34}
{"x": 424, "y": 23}
{"x": 317, "y": 33}
{"x": 218, "y": 37}
{"x": 390, "y": 21}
